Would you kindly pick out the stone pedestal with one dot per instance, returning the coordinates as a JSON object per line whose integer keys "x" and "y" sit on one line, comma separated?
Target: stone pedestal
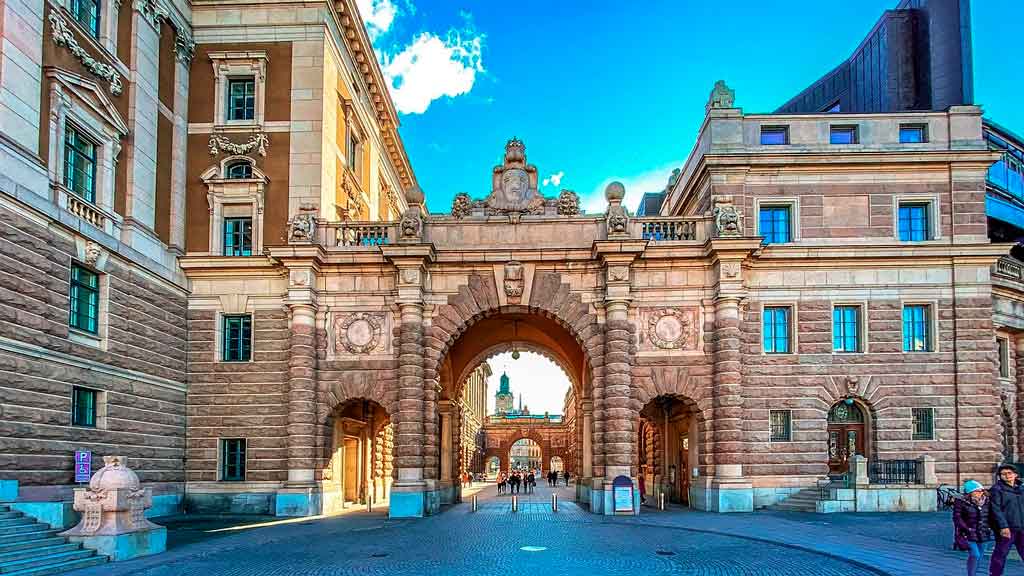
{"x": 113, "y": 511}
{"x": 298, "y": 501}
{"x": 729, "y": 491}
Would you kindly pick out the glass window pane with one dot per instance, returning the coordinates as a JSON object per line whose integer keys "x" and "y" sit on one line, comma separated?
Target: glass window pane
{"x": 83, "y": 407}
{"x": 237, "y": 338}
{"x": 239, "y": 170}
{"x": 79, "y": 164}
{"x": 771, "y": 136}
{"x": 843, "y": 135}
{"x": 912, "y": 134}
{"x": 238, "y": 236}
{"x": 241, "y": 99}
{"x": 84, "y": 299}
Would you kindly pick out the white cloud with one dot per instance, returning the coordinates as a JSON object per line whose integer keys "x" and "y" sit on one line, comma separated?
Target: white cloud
{"x": 555, "y": 179}
{"x": 431, "y": 67}
{"x": 637, "y": 185}
{"x": 378, "y": 15}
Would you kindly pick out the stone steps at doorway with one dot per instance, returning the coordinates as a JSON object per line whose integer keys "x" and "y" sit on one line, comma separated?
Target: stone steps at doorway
{"x": 31, "y": 548}
{"x": 805, "y": 500}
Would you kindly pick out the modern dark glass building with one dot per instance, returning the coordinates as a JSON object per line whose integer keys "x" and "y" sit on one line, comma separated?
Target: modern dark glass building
{"x": 918, "y": 57}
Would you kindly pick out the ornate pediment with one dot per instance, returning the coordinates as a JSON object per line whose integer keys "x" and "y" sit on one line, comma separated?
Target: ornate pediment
{"x": 89, "y": 94}
{"x": 514, "y": 191}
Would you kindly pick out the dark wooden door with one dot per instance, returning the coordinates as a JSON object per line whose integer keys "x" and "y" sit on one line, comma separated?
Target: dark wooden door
{"x": 683, "y": 471}
{"x": 846, "y": 436}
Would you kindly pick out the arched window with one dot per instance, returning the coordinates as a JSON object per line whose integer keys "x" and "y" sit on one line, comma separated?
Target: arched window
{"x": 240, "y": 169}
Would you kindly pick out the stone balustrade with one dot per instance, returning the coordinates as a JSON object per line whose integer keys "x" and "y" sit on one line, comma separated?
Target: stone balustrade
{"x": 1009, "y": 267}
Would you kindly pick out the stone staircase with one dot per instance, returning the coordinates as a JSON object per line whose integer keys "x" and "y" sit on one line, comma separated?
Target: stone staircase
{"x": 803, "y": 501}
{"x": 28, "y": 547}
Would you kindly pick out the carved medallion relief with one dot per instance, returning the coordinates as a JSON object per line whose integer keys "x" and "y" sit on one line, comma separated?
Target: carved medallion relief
{"x": 359, "y": 333}
{"x": 671, "y": 329}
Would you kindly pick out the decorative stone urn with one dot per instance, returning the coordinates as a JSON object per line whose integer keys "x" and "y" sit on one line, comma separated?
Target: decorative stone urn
{"x": 113, "y": 511}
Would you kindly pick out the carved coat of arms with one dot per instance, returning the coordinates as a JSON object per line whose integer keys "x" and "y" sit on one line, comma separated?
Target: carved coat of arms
{"x": 514, "y": 281}
{"x": 514, "y": 184}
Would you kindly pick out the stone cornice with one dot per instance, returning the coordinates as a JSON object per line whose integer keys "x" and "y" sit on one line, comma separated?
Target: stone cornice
{"x": 359, "y": 45}
{"x": 33, "y": 351}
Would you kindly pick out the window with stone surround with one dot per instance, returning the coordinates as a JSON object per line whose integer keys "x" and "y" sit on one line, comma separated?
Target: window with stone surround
{"x": 914, "y": 221}
{"x": 84, "y": 131}
{"x": 846, "y": 328}
{"x": 79, "y": 163}
{"x": 917, "y": 328}
{"x": 240, "y": 86}
{"x": 238, "y": 236}
{"x": 239, "y": 170}
{"x": 913, "y": 133}
{"x": 1003, "y": 346}
{"x": 774, "y": 135}
{"x": 84, "y": 407}
{"x": 85, "y": 299}
{"x": 237, "y": 337}
{"x": 923, "y": 424}
{"x": 780, "y": 422}
{"x": 777, "y": 330}
{"x": 842, "y": 135}
{"x": 241, "y": 99}
{"x": 87, "y": 13}
{"x": 232, "y": 459}
{"x": 235, "y": 194}
{"x": 775, "y": 223}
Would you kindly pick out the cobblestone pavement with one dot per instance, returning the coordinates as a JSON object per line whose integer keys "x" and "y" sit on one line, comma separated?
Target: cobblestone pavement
{"x": 494, "y": 540}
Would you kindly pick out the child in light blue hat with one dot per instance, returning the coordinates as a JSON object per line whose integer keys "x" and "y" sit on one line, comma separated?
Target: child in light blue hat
{"x": 971, "y": 524}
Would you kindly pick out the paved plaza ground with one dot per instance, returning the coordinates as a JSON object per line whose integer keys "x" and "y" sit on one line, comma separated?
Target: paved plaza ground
{"x": 535, "y": 540}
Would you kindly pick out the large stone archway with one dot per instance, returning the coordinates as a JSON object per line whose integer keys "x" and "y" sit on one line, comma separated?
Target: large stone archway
{"x": 478, "y": 317}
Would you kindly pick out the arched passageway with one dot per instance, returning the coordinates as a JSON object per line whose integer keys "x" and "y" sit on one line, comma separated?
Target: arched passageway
{"x": 669, "y": 440}
{"x": 519, "y": 329}
{"x": 358, "y": 458}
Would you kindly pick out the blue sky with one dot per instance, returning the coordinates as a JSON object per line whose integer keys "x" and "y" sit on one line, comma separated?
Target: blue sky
{"x": 616, "y": 90}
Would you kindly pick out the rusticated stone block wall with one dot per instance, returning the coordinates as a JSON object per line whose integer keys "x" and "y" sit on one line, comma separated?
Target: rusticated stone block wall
{"x": 144, "y": 416}
{"x": 239, "y": 399}
{"x": 889, "y": 382}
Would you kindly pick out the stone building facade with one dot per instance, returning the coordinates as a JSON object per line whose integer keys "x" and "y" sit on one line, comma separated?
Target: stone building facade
{"x": 207, "y": 267}
{"x": 130, "y": 135}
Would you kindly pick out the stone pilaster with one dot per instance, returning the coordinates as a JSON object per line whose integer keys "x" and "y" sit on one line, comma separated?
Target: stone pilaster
{"x": 140, "y": 201}
{"x": 411, "y": 494}
{"x": 727, "y": 418}
{"x": 302, "y": 394}
{"x": 179, "y": 140}
{"x": 616, "y": 416}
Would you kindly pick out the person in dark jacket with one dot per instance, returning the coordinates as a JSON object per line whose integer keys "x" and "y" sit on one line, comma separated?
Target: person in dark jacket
{"x": 1007, "y": 517}
{"x": 971, "y": 521}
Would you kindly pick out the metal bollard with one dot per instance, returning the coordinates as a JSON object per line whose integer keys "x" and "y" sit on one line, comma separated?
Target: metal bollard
{"x": 474, "y": 503}
{"x": 515, "y": 503}
{"x": 554, "y": 502}
{"x": 661, "y": 501}
{"x": 369, "y": 505}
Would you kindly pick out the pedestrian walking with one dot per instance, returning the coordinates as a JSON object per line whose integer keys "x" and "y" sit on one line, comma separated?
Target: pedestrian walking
{"x": 501, "y": 482}
{"x": 567, "y": 478}
{"x": 971, "y": 516}
{"x": 1007, "y": 505}
{"x": 531, "y": 481}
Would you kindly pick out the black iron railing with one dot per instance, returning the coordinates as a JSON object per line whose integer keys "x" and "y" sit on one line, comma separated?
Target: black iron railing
{"x": 892, "y": 471}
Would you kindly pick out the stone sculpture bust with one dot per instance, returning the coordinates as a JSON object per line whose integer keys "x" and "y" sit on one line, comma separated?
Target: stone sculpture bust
{"x": 514, "y": 184}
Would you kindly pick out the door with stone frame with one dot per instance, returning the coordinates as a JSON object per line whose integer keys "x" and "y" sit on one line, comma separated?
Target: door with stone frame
{"x": 847, "y": 435}
{"x": 683, "y": 470}
{"x": 351, "y": 472}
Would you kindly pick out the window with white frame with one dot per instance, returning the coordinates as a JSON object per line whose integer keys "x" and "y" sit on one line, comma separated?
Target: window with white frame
{"x": 916, "y": 218}
{"x": 87, "y": 13}
{"x": 235, "y": 193}
{"x": 240, "y": 81}
{"x": 846, "y": 328}
{"x": 777, "y": 329}
{"x": 777, "y": 219}
{"x": 917, "y": 328}
{"x": 85, "y": 131}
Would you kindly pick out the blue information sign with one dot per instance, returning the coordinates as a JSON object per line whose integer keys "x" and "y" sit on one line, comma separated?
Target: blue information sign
{"x": 622, "y": 494}
{"x": 83, "y": 465}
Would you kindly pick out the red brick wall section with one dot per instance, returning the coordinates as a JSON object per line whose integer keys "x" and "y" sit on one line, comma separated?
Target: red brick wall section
{"x": 239, "y": 399}
{"x": 145, "y": 422}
